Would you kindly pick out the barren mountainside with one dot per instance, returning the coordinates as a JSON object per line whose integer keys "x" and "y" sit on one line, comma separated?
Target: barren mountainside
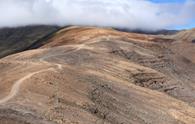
{"x": 89, "y": 75}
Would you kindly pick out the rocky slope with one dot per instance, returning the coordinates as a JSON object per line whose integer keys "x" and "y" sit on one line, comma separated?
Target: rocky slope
{"x": 87, "y": 75}
{"x": 185, "y": 44}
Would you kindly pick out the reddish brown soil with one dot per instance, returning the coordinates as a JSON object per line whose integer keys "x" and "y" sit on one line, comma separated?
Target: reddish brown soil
{"x": 86, "y": 75}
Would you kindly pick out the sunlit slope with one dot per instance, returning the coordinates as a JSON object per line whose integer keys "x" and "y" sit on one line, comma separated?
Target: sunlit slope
{"x": 88, "y": 75}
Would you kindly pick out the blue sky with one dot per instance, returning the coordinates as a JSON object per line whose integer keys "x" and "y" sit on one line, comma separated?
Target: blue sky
{"x": 189, "y": 25}
{"x": 168, "y": 1}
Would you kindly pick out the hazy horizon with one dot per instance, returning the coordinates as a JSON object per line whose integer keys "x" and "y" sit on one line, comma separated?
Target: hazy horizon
{"x": 130, "y": 14}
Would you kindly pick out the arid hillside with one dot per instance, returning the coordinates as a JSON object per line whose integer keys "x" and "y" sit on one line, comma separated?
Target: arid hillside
{"x": 88, "y": 75}
{"x": 185, "y": 44}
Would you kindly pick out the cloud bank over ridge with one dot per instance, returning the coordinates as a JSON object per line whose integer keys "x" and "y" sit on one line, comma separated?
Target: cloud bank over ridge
{"x": 131, "y": 14}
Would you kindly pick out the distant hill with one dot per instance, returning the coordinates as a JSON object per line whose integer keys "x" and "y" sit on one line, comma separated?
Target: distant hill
{"x": 14, "y": 40}
{"x": 185, "y": 35}
{"x": 158, "y": 32}
{"x": 185, "y": 43}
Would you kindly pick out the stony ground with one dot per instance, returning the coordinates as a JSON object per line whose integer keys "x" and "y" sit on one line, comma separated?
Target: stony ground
{"x": 86, "y": 75}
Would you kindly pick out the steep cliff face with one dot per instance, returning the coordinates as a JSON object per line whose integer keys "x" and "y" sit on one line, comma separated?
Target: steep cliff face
{"x": 13, "y": 40}
{"x": 88, "y": 75}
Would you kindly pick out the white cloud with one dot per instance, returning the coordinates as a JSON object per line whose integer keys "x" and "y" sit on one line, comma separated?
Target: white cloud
{"x": 132, "y": 14}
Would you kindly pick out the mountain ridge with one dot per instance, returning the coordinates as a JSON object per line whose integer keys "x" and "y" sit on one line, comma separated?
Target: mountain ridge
{"x": 88, "y": 75}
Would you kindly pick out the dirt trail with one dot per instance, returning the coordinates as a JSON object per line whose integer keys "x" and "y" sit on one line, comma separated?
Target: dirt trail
{"x": 16, "y": 87}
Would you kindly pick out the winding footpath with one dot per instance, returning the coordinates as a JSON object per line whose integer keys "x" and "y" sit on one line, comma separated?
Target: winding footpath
{"x": 16, "y": 86}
